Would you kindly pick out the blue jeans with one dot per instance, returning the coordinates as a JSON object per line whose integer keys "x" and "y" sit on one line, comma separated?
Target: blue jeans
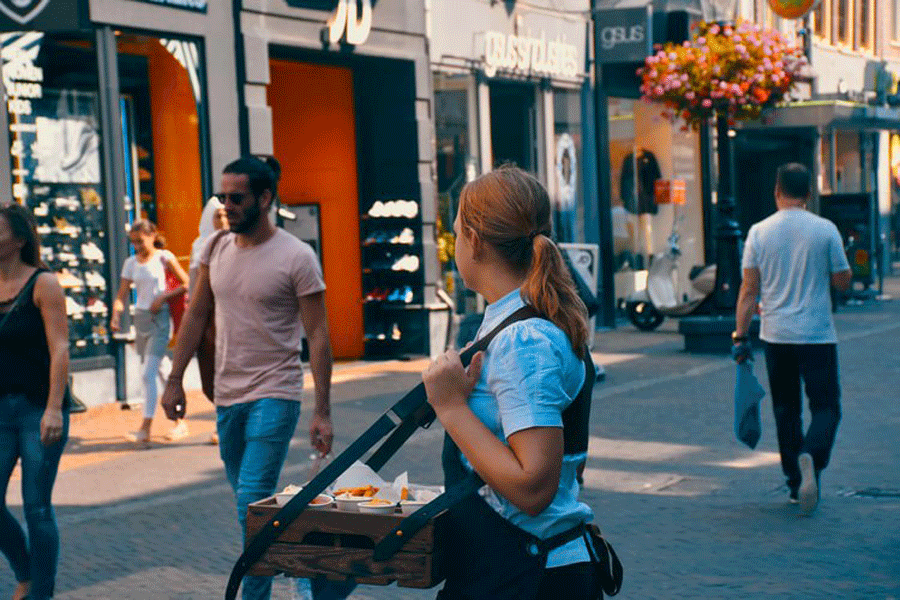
{"x": 20, "y": 437}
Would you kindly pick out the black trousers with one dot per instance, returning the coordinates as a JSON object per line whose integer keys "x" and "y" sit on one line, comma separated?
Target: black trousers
{"x": 816, "y": 365}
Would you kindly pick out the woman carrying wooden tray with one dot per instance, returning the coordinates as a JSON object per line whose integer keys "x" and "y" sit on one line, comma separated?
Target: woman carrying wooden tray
{"x": 524, "y": 534}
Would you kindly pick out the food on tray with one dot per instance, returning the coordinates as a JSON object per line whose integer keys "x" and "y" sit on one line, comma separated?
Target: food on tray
{"x": 379, "y": 502}
{"x": 404, "y": 493}
{"x": 321, "y": 499}
{"x": 291, "y": 489}
{"x": 365, "y": 491}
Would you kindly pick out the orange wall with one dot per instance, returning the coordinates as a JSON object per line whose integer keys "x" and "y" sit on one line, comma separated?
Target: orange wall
{"x": 176, "y": 144}
{"x": 314, "y": 131}
{"x": 176, "y": 152}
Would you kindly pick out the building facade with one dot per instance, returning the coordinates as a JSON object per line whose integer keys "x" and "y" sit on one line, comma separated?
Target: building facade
{"x": 121, "y": 109}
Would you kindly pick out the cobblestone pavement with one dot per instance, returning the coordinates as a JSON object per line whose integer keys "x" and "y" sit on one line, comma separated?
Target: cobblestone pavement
{"x": 691, "y": 512}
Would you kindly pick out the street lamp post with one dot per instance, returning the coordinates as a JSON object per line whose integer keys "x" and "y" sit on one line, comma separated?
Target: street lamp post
{"x": 712, "y": 331}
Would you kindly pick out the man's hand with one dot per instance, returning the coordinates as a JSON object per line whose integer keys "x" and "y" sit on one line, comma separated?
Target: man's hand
{"x": 320, "y": 433}
{"x": 174, "y": 401}
{"x": 51, "y": 426}
{"x": 742, "y": 351}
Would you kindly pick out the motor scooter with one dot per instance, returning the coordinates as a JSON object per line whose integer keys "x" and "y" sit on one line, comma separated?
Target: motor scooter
{"x": 663, "y": 296}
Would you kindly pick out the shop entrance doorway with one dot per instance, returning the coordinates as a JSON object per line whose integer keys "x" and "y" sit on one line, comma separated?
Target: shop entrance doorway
{"x": 513, "y": 125}
{"x": 758, "y": 154}
{"x": 314, "y": 134}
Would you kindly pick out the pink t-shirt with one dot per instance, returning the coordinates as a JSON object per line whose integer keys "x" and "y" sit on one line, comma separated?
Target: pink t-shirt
{"x": 258, "y": 327}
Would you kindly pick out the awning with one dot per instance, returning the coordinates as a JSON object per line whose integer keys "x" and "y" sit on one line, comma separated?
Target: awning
{"x": 835, "y": 114}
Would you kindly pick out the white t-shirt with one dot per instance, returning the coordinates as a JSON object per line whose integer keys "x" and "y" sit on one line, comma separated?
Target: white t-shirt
{"x": 149, "y": 278}
{"x": 796, "y": 253}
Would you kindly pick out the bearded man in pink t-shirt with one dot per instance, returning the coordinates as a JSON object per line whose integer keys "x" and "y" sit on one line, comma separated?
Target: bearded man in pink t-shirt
{"x": 264, "y": 288}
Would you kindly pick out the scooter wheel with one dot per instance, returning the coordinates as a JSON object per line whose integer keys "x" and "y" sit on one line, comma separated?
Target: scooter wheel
{"x": 644, "y": 316}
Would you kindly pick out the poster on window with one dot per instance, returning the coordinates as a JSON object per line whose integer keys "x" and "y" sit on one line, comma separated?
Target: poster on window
{"x": 566, "y": 189}
{"x": 59, "y": 139}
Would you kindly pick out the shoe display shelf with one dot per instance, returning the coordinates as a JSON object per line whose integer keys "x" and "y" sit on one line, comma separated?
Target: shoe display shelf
{"x": 71, "y": 222}
{"x": 393, "y": 275}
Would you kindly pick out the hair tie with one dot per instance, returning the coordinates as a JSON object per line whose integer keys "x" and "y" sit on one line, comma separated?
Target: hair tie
{"x": 534, "y": 234}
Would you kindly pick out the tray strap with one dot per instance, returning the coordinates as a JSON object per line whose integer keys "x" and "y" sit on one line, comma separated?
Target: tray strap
{"x": 403, "y": 418}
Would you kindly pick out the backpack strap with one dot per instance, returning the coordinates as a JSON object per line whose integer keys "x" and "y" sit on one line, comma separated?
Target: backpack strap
{"x": 403, "y": 418}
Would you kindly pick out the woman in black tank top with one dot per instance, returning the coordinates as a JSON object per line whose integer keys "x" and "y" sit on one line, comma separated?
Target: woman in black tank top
{"x": 34, "y": 421}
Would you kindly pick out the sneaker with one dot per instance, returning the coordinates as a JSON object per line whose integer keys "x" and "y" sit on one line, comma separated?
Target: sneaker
{"x": 67, "y": 202}
{"x": 95, "y": 280}
{"x": 73, "y": 309}
{"x": 179, "y": 432}
{"x": 809, "y": 486}
{"x": 68, "y": 280}
{"x": 42, "y": 210}
{"x": 407, "y": 295}
{"x": 377, "y": 209}
{"x": 793, "y": 496}
{"x": 140, "y": 436}
{"x": 90, "y": 197}
{"x": 95, "y": 306}
{"x": 91, "y": 252}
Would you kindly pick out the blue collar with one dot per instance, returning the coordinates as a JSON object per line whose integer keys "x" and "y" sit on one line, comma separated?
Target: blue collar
{"x": 499, "y": 310}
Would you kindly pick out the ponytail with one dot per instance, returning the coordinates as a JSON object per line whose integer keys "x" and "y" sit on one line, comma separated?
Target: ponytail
{"x": 550, "y": 290}
{"x": 510, "y": 210}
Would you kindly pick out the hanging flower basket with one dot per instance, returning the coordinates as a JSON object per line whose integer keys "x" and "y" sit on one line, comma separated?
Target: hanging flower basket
{"x": 740, "y": 70}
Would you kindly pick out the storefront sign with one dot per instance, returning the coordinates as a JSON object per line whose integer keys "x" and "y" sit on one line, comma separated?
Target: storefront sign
{"x": 194, "y": 5}
{"x": 41, "y": 15}
{"x": 529, "y": 55}
{"x": 791, "y": 9}
{"x": 670, "y": 191}
{"x": 623, "y": 35}
{"x": 345, "y": 24}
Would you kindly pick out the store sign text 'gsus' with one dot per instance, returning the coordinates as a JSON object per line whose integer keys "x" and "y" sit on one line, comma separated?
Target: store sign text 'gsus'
{"x": 347, "y": 21}
{"x": 529, "y": 55}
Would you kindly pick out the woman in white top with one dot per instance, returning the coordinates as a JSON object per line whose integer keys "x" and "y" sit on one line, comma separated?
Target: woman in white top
{"x": 146, "y": 270}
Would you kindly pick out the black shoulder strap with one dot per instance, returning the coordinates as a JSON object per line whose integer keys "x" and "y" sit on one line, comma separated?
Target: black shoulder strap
{"x": 576, "y": 421}
{"x": 23, "y": 293}
{"x": 403, "y": 418}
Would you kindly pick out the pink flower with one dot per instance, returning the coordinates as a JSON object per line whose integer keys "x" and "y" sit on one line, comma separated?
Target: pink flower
{"x": 701, "y": 41}
{"x": 690, "y": 95}
{"x": 707, "y": 103}
{"x": 659, "y": 90}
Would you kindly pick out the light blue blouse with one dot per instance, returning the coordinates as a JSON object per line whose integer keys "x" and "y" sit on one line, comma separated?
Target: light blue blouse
{"x": 530, "y": 375}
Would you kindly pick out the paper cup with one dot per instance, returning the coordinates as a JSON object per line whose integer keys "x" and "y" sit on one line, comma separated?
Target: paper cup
{"x": 408, "y": 507}
{"x": 350, "y": 503}
{"x": 376, "y": 509}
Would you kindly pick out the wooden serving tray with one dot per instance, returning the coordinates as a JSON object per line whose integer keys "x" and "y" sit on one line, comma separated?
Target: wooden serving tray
{"x": 339, "y": 545}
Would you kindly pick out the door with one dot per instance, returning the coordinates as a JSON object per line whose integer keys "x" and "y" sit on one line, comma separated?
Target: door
{"x": 314, "y": 133}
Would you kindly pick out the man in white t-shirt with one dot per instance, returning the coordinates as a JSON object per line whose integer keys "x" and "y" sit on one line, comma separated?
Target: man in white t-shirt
{"x": 264, "y": 287}
{"x": 791, "y": 261}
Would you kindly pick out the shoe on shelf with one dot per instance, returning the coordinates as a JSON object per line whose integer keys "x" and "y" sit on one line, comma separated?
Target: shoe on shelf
{"x": 377, "y": 209}
{"x": 68, "y": 280}
{"x": 808, "y": 494}
{"x": 90, "y": 251}
{"x": 407, "y": 296}
{"x": 73, "y": 309}
{"x": 179, "y": 432}
{"x": 394, "y": 296}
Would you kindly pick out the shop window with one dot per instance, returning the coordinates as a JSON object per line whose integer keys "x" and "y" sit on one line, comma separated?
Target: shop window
{"x": 821, "y": 17}
{"x": 161, "y": 108}
{"x": 844, "y": 22}
{"x": 568, "y": 188}
{"x": 456, "y": 166}
{"x": 895, "y": 21}
{"x": 865, "y": 24}
{"x": 55, "y": 148}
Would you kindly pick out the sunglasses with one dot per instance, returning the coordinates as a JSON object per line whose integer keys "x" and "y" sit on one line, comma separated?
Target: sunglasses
{"x": 233, "y": 198}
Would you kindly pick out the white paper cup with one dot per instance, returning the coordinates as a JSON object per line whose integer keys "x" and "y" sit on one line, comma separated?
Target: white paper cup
{"x": 376, "y": 509}
{"x": 350, "y": 503}
{"x": 408, "y": 507}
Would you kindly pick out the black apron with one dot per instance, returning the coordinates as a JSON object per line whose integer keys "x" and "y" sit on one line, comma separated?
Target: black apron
{"x": 489, "y": 558}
